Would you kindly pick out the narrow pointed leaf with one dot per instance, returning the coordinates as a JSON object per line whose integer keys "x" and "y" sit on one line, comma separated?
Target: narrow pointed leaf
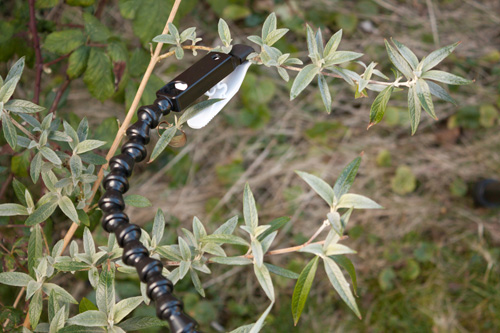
{"x": 357, "y": 201}
{"x": 344, "y": 182}
{"x": 437, "y": 56}
{"x": 398, "y": 61}
{"x": 250, "y": 209}
{"x": 325, "y": 93}
{"x": 379, "y": 106}
{"x": 319, "y": 186}
{"x": 332, "y": 44}
{"x": 346, "y": 263}
{"x": 305, "y": 76}
{"x": 302, "y": 288}
{"x": 439, "y": 92}
{"x": 9, "y": 130}
{"x": 414, "y": 109}
{"x": 264, "y": 278}
{"x": 163, "y": 142}
{"x": 409, "y": 56}
{"x": 445, "y": 77}
{"x": 425, "y": 98}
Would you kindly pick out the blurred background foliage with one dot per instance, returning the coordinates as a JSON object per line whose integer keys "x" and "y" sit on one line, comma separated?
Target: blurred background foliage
{"x": 428, "y": 262}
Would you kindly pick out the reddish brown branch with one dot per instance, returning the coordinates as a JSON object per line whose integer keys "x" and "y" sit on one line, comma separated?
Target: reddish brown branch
{"x": 5, "y": 185}
{"x": 38, "y": 52}
{"x": 59, "y": 94}
{"x": 100, "y": 8}
{"x": 55, "y": 61}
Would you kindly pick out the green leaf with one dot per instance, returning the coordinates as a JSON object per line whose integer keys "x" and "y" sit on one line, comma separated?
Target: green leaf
{"x": 163, "y": 142}
{"x": 41, "y": 214}
{"x": 414, "y": 109}
{"x": 68, "y": 265}
{"x": 68, "y": 208}
{"x": 11, "y": 209}
{"x": 128, "y": 8}
{"x": 325, "y": 93}
{"x": 149, "y": 18}
{"x": 224, "y": 32}
{"x": 260, "y": 322}
{"x": 80, "y": 3}
{"x": 193, "y": 110}
{"x": 340, "y": 284}
{"x": 274, "y": 36}
{"x": 228, "y": 227}
{"x": 81, "y": 329}
{"x": 9, "y": 130}
{"x": 166, "y": 39}
{"x": 98, "y": 76}
{"x": 312, "y": 46}
{"x": 302, "y": 288}
{"x": 445, "y": 77}
{"x": 15, "y": 279}
{"x": 88, "y": 242}
{"x": 346, "y": 263}
{"x": 305, "y": 76}
{"x": 141, "y": 322}
{"x": 257, "y": 251}
{"x": 136, "y": 200}
{"x": 97, "y": 31}
{"x": 332, "y": 44}
{"x": 105, "y": 293}
{"x": 344, "y": 182}
{"x": 124, "y": 307}
{"x": 439, "y": 92}
{"x": 20, "y": 191}
{"x": 77, "y": 62}
{"x": 158, "y": 226}
{"x": 35, "y": 247}
{"x": 379, "y": 106}
{"x": 61, "y": 293}
{"x": 88, "y": 145}
{"x": 184, "y": 248}
{"x": 50, "y": 155}
{"x": 224, "y": 239}
{"x": 407, "y": 54}
{"x": 319, "y": 186}
{"x": 269, "y": 25}
{"x": 91, "y": 318}
{"x": 231, "y": 261}
{"x": 63, "y": 42}
{"x": 357, "y": 201}
{"x": 250, "y": 209}
{"x": 36, "y": 167}
{"x": 281, "y": 271}
{"x": 58, "y": 321}
{"x": 53, "y": 306}
{"x": 340, "y": 57}
{"x": 425, "y": 98}
{"x": 274, "y": 225}
{"x": 265, "y": 281}
{"x": 167, "y": 251}
{"x": 21, "y": 106}
{"x": 35, "y": 308}
{"x": 404, "y": 181}
{"x": 398, "y": 61}
{"x": 196, "y": 282}
{"x": 436, "y": 57}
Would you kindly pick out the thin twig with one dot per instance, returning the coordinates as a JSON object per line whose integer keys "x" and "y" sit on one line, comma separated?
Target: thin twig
{"x": 186, "y": 47}
{"x": 59, "y": 95}
{"x": 16, "y": 302}
{"x": 22, "y": 128}
{"x": 55, "y": 61}
{"x": 38, "y": 52}
{"x": 121, "y": 131}
{"x": 5, "y": 185}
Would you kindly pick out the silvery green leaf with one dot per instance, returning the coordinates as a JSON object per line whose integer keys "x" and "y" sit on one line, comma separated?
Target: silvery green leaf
{"x": 138, "y": 323}
{"x": 188, "y": 34}
{"x": 319, "y": 42}
{"x": 243, "y": 329}
{"x": 184, "y": 247}
{"x": 67, "y": 264}
{"x": 47, "y": 122}
{"x": 340, "y": 57}
{"x": 144, "y": 293}
{"x": 380, "y": 74}
{"x": 163, "y": 142}
{"x": 224, "y": 32}
{"x": 57, "y": 249}
{"x": 61, "y": 294}
{"x": 50, "y": 155}
{"x": 50, "y": 179}
{"x": 283, "y": 73}
{"x": 166, "y": 39}
{"x": 332, "y": 238}
{"x": 136, "y": 200}
{"x": 23, "y": 141}
{"x": 174, "y": 276}
{"x": 59, "y": 136}
{"x": 224, "y": 239}
{"x": 367, "y": 75}
{"x": 15, "y": 279}
{"x": 124, "y": 307}
{"x": 7, "y": 89}
{"x": 436, "y": 57}
{"x": 58, "y": 321}
{"x": 184, "y": 268}
{"x": 231, "y": 261}
{"x": 53, "y": 306}
{"x": 196, "y": 282}
{"x": 16, "y": 70}
{"x": 84, "y": 257}
{"x": 409, "y": 56}
{"x": 414, "y": 109}
{"x": 228, "y": 227}
{"x": 379, "y": 106}
{"x": 179, "y": 52}
{"x": 340, "y": 284}
{"x": 445, "y": 77}
{"x": 269, "y": 25}
{"x": 376, "y": 87}
{"x": 90, "y": 318}
{"x": 345, "y": 74}
{"x": 257, "y": 252}
{"x": 172, "y": 29}
{"x": 158, "y": 227}
{"x": 293, "y": 61}
{"x": 214, "y": 249}
{"x": 344, "y": 219}
{"x": 274, "y": 36}
{"x": 267, "y": 241}
{"x": 316, "y": 249}
{"x": 250, "y": 209}
{"x": 200, "y": 266}
{"x": 260, "y": 230}
{"x": 312, "y": 47}
{"x": 260, "y": 323}
{"x": 93, "y": 277}
{"x": 83, "y": 129}
{"x": 170, "y": 252}
{"x": 68, "y": 208}
{"x": 11, "y": 209}
{"x": 265, "y": 281}
{"x": 255, "y": 39}
{"x": 425, "y": 98}
{"x": 344, "y": 182}
{"x": 281, "y": 271}
{"x": 337, "y": 249}
{"x": 325, "y": 93}
{"x": 88, "y": 242}
{"x": 88, "y": 145}
{"x": 41, "y": 214}
{"x": 324, "y": 190}
{"x": 35, "y": 308}
{"x": 105, "y": 293}
{"x": 72, "y": 134}
{"x": 198, "y": 229}
{"x": 193, "y": 110}
{"x": 21, "y": 106}
{"x": 76, "y": 166}
{"x": 357, "y": 202}
{"x": 332, "y": 44}
{"x": 305, "y": 76}
{"x": 9, "y": 130}
{"x": 191, "y": 240}
{"x": 398, "y": 61}
{"x": 73, "y": 248}
{"x": 435, "y": 90}
{"x": 334, "y": 219}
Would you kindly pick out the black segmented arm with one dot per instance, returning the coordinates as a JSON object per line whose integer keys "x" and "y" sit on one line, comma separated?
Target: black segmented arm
{"x": 195, "y": 81}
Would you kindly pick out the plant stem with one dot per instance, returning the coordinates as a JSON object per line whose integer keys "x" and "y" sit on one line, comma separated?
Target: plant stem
{"x": 121, "y": 131}
{"x": 186, "y": 47}
{"x": 58, "y": 97}
{"x": 16, "y": 302}
{"x": 22, "y": 128}
{"x": 5, "y": 185}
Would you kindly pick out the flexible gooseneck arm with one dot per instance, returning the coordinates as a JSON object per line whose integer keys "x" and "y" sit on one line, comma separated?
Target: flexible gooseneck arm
{"x": 175, "y": 96}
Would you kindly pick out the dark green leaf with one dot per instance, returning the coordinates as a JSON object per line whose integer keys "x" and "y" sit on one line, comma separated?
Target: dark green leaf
{"x": 274, "y": 225}
{"x": 346, "y": 263}
{"x": 425, "y": 98}
{"x": 128, "y": 8}
{"x": 163, "y": 142}
{"x": 97, "y": 31}
{"x": 302, "y": 288}
{"x": 282, "y": 271}
{"x": 99, "y": 75}
{"x": 346, "y": 178}
{"x": 9, "y": 130}
{"x": 41, "y": 214}
{"x": 150, "y": 18}
{"x": 63, "y": 42}
{"x": 77, "y": 62}
{"x": 141, "y": 322}
{"x": 414, "y": 109}
{"x": 35, "y": 308}
{"x": 379, "y": 106}
{"x": 136, "y": 200}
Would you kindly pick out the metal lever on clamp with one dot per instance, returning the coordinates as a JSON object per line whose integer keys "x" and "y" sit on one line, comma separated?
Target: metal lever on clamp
{"x": 203, "y": 75}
